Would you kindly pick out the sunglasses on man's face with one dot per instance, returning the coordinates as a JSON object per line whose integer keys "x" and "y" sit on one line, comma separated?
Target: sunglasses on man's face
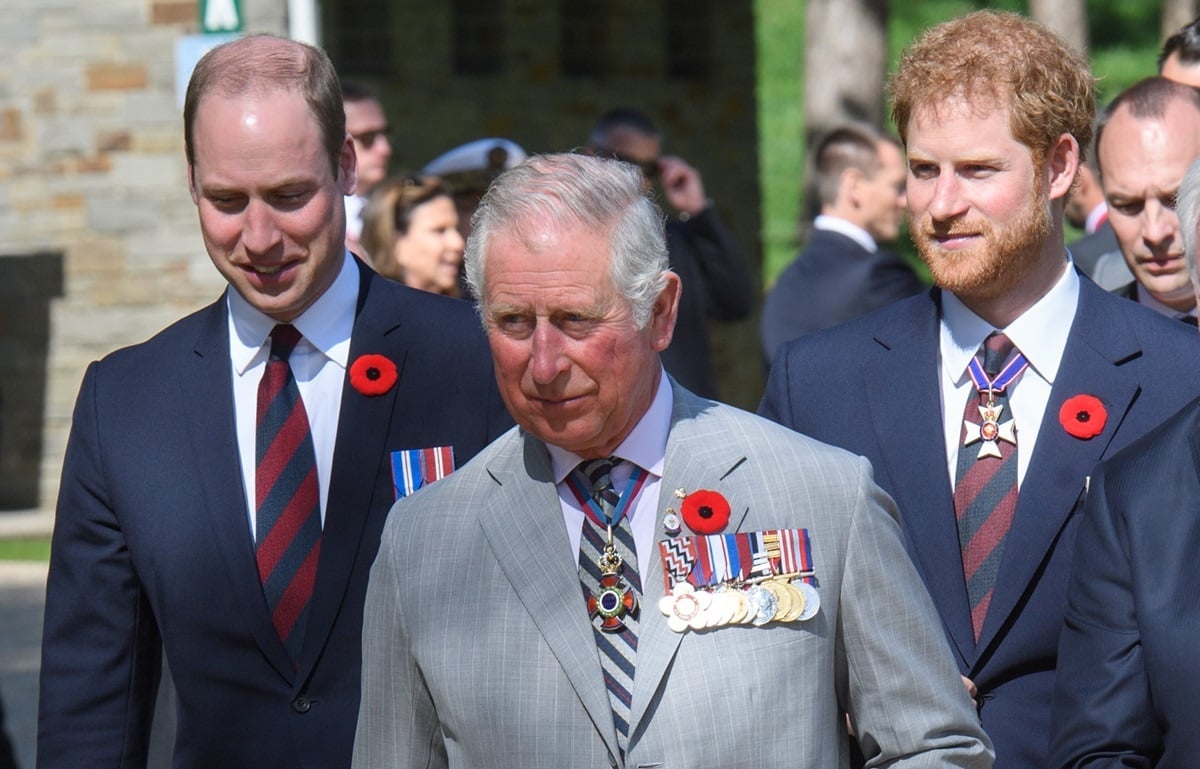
{"x": 368, "y": 138}
{"x": 649, "y": 167}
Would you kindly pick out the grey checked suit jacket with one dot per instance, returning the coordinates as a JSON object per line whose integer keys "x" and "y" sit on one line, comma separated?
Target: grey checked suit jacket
{"x": 478, "y": 651}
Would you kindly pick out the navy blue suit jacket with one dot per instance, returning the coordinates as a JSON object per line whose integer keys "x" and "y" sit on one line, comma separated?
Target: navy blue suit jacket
{"x": 871, "y": 386}
{"x": 831, "y": 281}
{"x": 1128, "y": 687}
{"x": 152, "y": 549}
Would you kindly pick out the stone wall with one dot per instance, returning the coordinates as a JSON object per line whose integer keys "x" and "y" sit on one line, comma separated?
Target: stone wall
{"x": 99, "y": 245}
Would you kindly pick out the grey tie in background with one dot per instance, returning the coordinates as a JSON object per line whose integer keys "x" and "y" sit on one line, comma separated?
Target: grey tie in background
{"x": 617, "y": 649}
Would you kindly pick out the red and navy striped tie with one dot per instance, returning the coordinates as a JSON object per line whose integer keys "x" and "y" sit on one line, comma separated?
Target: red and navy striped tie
{"x": 288, "y": 518}
{"x": 985, "y": 493}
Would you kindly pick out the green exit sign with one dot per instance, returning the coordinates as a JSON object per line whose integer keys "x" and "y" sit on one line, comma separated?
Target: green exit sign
{"x": 217, "y": 16}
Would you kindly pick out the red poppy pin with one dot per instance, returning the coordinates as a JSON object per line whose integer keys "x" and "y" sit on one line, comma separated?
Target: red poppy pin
{"x": 372, "y": 374}
{"x": 705, "y": 512}
{"x": 1083, "y": 416}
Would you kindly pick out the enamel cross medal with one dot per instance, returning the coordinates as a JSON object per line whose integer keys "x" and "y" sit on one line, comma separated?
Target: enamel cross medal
{"x": 990, "y": 430}
{"x": 614, "y": 599}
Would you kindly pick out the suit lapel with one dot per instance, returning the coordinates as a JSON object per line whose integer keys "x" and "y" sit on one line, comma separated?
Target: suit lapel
{"x": 354, "y": 486}
{"x": 904, "y": 397}
{"x": 1054, "y": 481}
{"x": 535, "y": 561}
{"x": 694, "y": 460}
{"x": 206, "y": 396}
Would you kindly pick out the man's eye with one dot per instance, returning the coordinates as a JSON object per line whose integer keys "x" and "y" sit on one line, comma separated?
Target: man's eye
{"x": 513, "y": 323}
{"x": 576, "y": 324}
{"x": 291, "y": 198}
{"x": 227, "y": 203}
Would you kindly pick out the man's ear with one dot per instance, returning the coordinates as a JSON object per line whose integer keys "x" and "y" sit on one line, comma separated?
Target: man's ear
{"x": 195, "y": 193}
{"x": 348, "y": 167}
{"x": 1062, "y": 162}
{"x": 664, "y": 313}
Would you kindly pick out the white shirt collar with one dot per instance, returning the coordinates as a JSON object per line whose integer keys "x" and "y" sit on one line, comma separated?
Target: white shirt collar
{"x": 849, "y": 229}
{"x": 1040, "y": 333}
{"x": 1095, "y": 217}
{"x": 1145, "y": 299}
{"x": 326, "y": 324}
{"x": 646, "y": 444}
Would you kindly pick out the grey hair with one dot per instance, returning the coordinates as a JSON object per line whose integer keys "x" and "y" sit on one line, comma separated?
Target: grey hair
{"x": 607, "y": 196}
{"x": 1187, "y": 207}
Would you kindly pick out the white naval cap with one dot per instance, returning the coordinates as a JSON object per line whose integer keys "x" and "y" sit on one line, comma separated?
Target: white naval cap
{"x": 488, "y": 156}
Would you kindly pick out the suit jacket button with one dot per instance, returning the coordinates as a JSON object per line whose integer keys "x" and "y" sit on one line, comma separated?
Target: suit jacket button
{"x": 301, "y": 704}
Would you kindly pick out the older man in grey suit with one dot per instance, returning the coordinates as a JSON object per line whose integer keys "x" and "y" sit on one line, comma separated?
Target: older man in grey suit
{"x": 745, "y": 589}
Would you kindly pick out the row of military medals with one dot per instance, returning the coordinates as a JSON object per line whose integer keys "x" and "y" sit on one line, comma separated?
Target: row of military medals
{"x": 706, "y": 586}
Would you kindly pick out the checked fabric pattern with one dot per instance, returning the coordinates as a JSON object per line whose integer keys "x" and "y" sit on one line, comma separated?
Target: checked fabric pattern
{"x": 288, "y": 514}
{"x": 617, "y": 649}
{"x": 985, "y": 492}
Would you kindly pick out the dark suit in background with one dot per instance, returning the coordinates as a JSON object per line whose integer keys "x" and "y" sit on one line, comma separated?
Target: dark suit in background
{"x": 716, "y": 286}
{"x": 833, "y": 280}
{"x": 1128, "y": 688}
{"x": 872, "y": 386}
{"x": 1086, "y": 251}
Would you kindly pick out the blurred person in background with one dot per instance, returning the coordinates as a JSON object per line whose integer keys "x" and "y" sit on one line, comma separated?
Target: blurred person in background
{"x": 1179, "y": 59}
{"x": 469, "y": 168}
{"x": 1146, "y": 139}
{"x": 842, "y": 272}
{"x": 716, "y": 282}
{"x": 410, "y": 234}
{"x": 368, "y": 126}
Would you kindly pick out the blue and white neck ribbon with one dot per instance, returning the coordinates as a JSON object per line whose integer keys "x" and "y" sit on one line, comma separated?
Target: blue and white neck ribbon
{"x": 1006, "y": 376}
{"x": 580, "y": 486}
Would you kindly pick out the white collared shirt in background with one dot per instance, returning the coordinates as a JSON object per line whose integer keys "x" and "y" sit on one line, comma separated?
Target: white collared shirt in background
{"x": 849, "y": 229}
{"x": 318, "y": 363}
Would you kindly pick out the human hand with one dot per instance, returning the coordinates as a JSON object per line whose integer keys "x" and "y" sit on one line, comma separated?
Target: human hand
{"x": 681, "y": 185}
{"x": 972, "y": 690}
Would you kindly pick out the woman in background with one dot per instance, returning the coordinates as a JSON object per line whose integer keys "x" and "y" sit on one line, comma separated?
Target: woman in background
{"x": 410, "y": 233}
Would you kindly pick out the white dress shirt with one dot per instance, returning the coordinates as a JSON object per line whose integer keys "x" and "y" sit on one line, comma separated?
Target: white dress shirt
{"x": 847, "y": 228}
{"x": 646, "y": 447}
{"x": 318, "y": 363}
{"x": 1040, "y": 334}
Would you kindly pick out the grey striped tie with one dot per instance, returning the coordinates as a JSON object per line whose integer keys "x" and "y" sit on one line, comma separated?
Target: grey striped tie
{"x": 617, "y": 647}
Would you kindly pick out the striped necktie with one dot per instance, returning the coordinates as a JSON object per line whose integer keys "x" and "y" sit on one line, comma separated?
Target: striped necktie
{"x": 288, "y": 516}
{"x": 617, "y": 647}
{"x": 985, "y": 493}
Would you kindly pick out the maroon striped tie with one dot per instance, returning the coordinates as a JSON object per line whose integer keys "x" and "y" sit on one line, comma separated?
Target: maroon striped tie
{"x": 985, "y": 493}
{"x": 288, "y": 503}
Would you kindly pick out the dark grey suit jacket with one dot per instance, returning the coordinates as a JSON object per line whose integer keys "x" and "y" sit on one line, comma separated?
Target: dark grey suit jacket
{"x": 1088, "y": 249}
{"x": 716, "y": 286}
